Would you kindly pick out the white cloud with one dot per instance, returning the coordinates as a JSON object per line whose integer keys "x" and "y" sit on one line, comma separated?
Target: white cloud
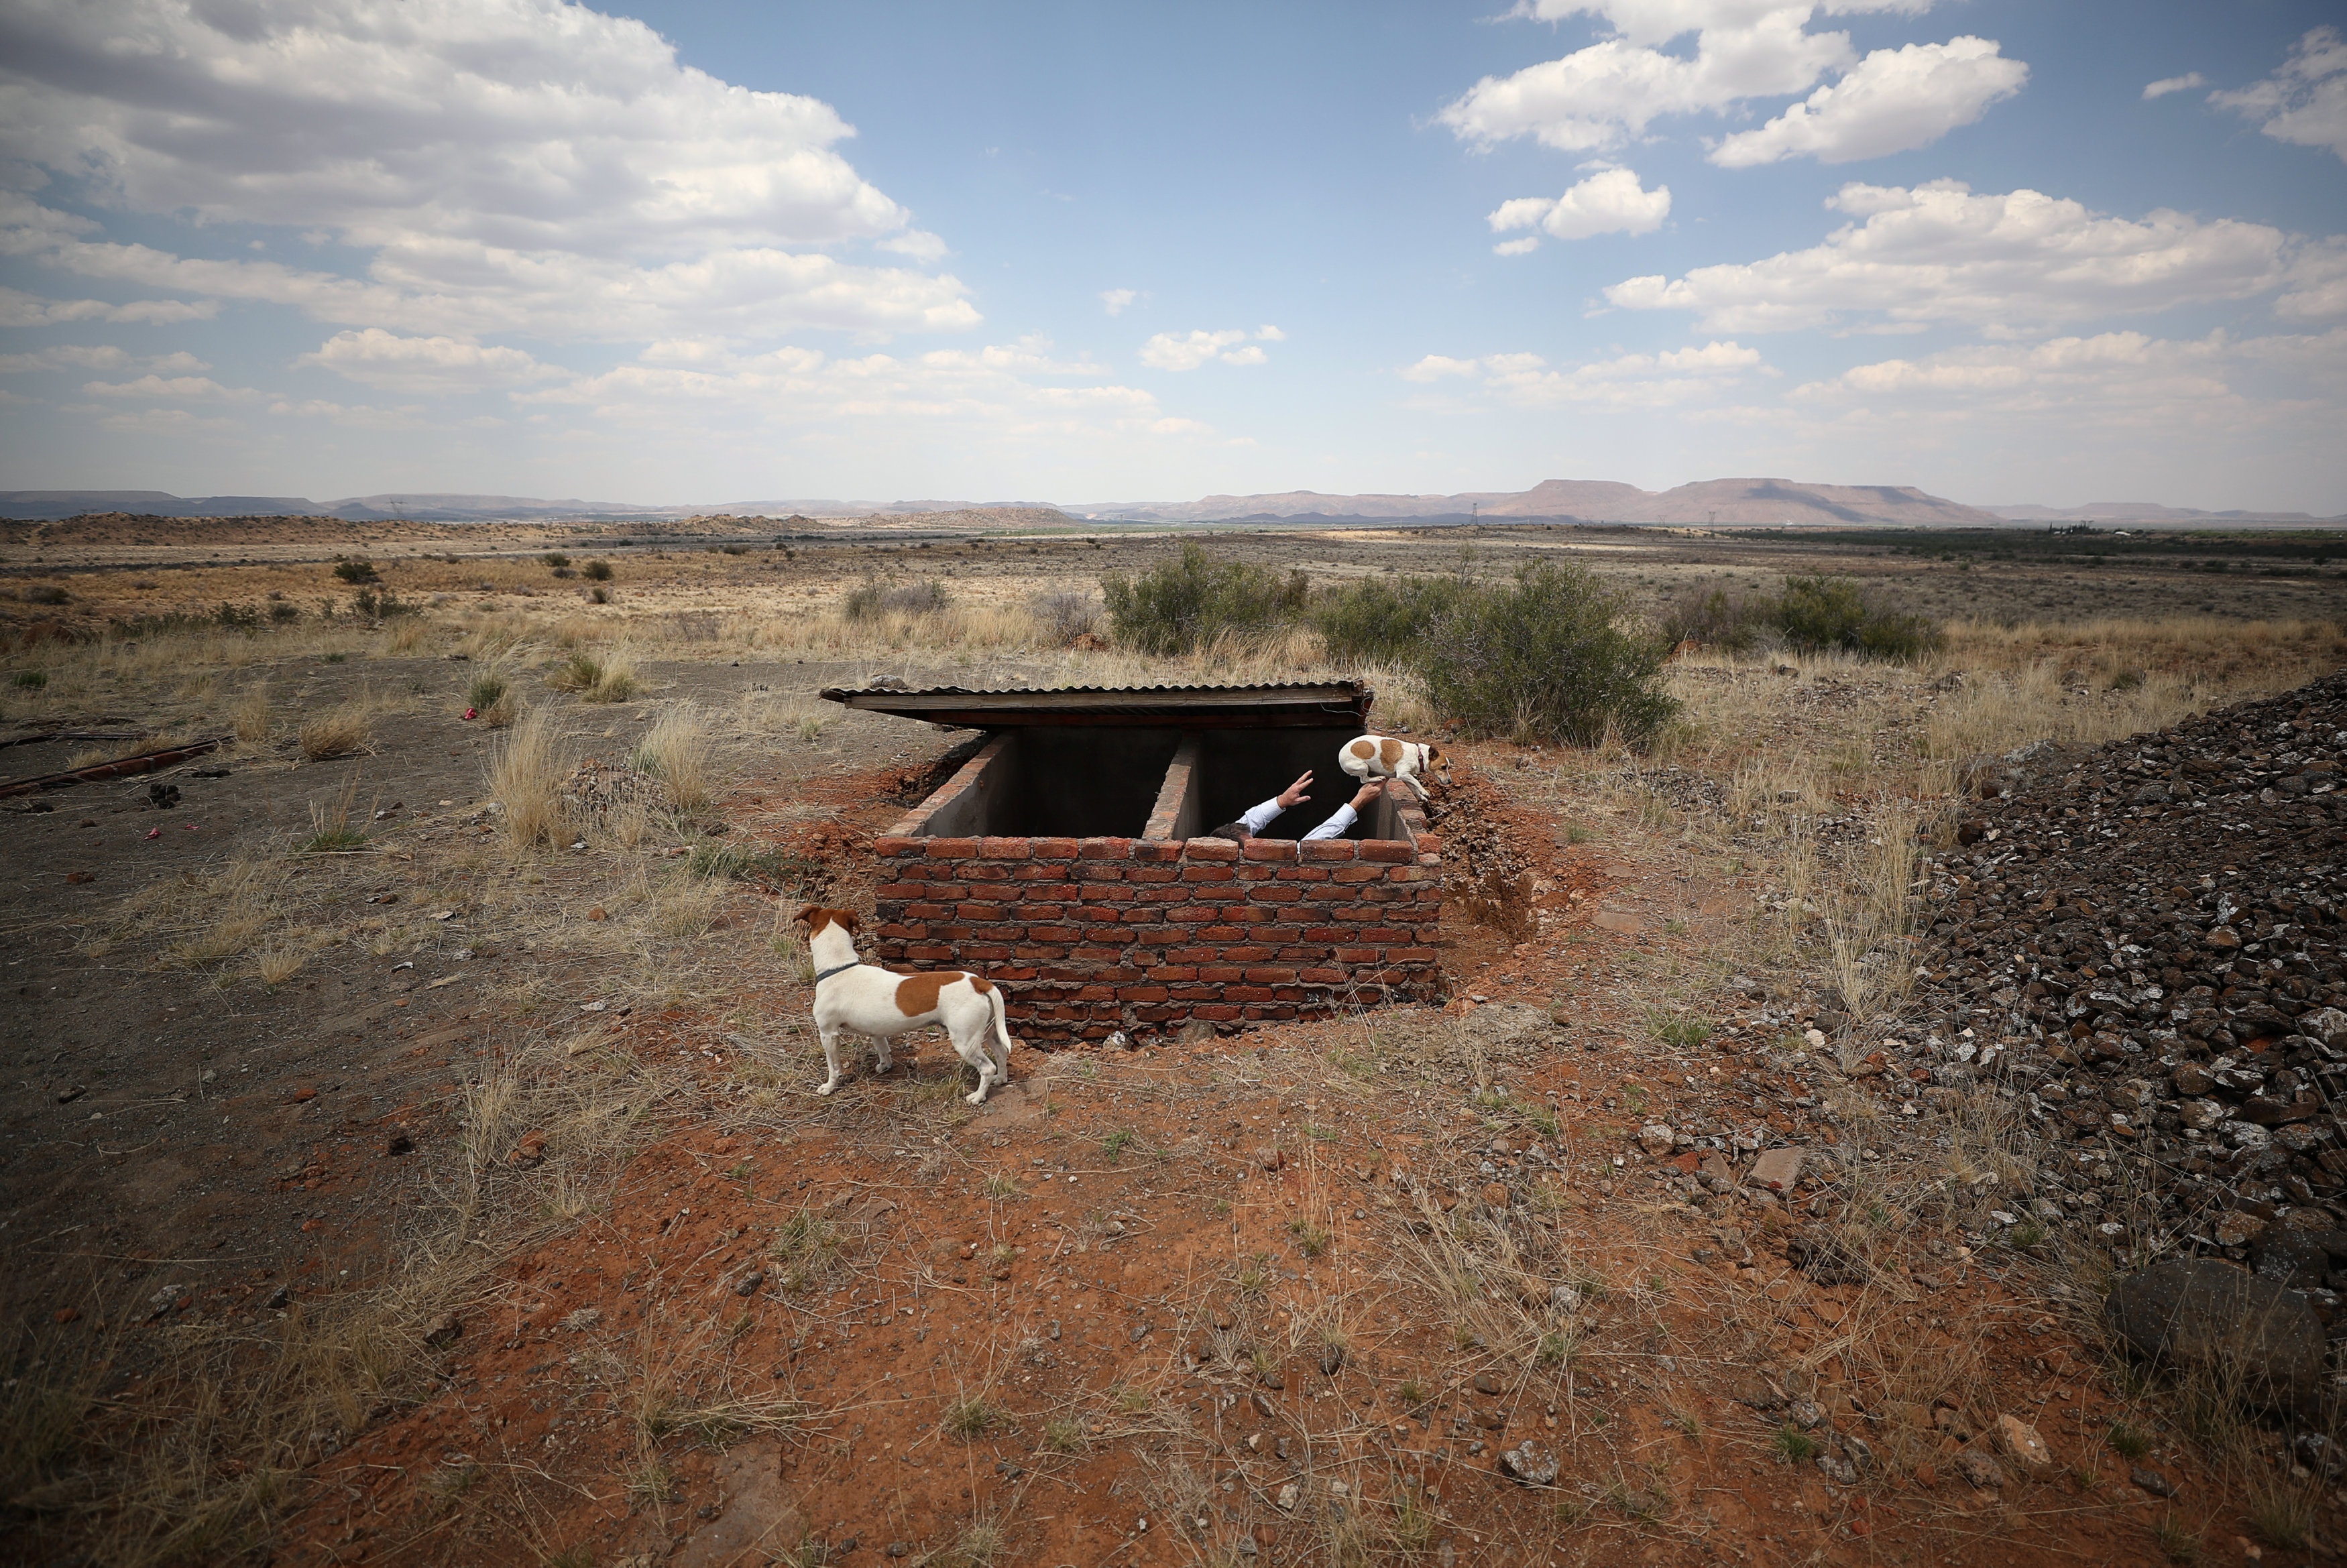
{"x": 1434, "y": 367}
{"x": 1611, "y": 201}
{"x": 2166, "y": 85}
{"x": 511, "y": 165}
{"x": 380, "y": 359}
{"x": 1673, "y": 377}
{"x": 2318, "y": 282}
{"x": 1014, "y": 391}
{"x": 18, "y": 308}
{"x": 167, "y": 421}
{"x": 1270, "y": 334}
{"x": 1938, "y": 253}
{"x": 1893, "y": 100}
{"x": 2305, "y": 102}
{"x": 101, "y": 357}
{"x": 1660, "y": 21}
{"x": 166, "y": 387}
{"x": 920, "y": 244}
{"x": 1114, "y": 301}
{"x": 1188, "y": 351}
{"x": 1600, "y": 96}
{"x": 1525, "y": 246}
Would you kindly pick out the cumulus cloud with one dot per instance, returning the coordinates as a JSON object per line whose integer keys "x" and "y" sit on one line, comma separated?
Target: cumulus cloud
{"x": 2305, "y": 102}
{"x": 1673, "y": 377}
{"x": 1189, "y": 350}
{"x": 379, "y": 359}
{"x": 1005, "y": 391}
{"x": 177, "y": 387}
{"x": 1611, "y": 201}
{"x": 1114, "y": 301}
{"x": 1893, "y": 100}
{"x": 2317, "y": 290}
{"x": 18, "y": 308}
{"x": 520, "y": 164}
{"x": 1603, "y": 95}
{"x": 1939, "y": 252}
{"x": 2166, "y": 85}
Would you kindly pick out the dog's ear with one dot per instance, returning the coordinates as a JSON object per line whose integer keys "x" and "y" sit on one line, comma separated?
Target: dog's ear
{"x": 846, "y": 918}
{"x": 807, "y": 917}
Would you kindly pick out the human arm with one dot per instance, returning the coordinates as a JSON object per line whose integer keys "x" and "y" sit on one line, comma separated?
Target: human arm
{"x": 1345, "y": 816}
{"x": 1257, "y": 818}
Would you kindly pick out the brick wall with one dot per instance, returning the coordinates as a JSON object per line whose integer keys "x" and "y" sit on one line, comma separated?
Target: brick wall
{"x": 1091, "y": 936}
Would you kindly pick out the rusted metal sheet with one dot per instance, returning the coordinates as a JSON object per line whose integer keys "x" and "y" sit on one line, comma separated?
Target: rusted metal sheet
{"x": 121, "y": 768}
{"x": 1302, "y": 705}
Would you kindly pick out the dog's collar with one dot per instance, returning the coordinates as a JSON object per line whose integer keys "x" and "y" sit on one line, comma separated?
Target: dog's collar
{"x": 826, "y": 974}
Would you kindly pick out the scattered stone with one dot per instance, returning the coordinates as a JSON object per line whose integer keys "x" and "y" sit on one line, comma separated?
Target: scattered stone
{"x": 1978, "y": 1468}
{"x": 443, "y": 1329}
{"x": 1263, "y": 1407}
{"x": 584, "y": 1318}
{"x": 67, "y": 1314}
{"x": 1529, "y": 1464}
{"x": 748, "y": 1284}
{"x": 2236, "y": 1228}
{"x": 2152, "y": 1481}
{"x": 1657, "y": 1138}
{"x": 278, "y": 1299}
{"x": 530, "y": 1151}
{"x": 1495, "y": 1195}
{"x": 66, "y": 1096}
{"x": 1332, "y": 1359}
{"x": 596, "y": 914}
{"x": 165, "y": 1300}
{"x": 1286, "y": 1501}
{"x": 1270, "y": 1157}
{"x": 1777, "y": 1170}
{"x": 1485, "y": 1383}
{"x": 2023, "y": 1445}
{"x": 2197, "y": 1312}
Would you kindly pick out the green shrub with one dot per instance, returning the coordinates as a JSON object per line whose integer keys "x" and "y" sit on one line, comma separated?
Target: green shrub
{"x": 1385, "y": 620}
{"x": 1820, "y": 613}
{"x": 1542, "y": 658}
{"x": 484, "y": 691}
{"x": 871, "y": 597}
{"x": 596, "y": 571}
{"x": 1178, "y": 606}
{"x": 354, "y": 569}
{"x": 1719, "y": 619}
{"x": 554, "y": 558}
{"x": 31, "y": 680}
{"x": 381, "y": 606}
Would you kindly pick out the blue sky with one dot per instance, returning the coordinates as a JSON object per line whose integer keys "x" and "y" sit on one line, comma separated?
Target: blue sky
{"x": 1088, "y": 254}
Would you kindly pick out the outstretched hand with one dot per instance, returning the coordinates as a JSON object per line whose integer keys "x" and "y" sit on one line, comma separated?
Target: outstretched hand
{"x": 1367, "y": 793}
{"x": 1294, "y": 794}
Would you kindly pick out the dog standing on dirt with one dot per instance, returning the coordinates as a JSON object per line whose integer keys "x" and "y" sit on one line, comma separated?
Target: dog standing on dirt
{"x": 864, "y": 999}
{"x": 1371, "y": 757}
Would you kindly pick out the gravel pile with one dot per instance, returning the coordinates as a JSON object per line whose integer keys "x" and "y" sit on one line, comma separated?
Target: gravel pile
{"x": 2141, "y": 942}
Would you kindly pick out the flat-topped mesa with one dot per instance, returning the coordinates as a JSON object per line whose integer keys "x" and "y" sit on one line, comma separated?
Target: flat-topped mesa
{"x": 1064, "y": 860}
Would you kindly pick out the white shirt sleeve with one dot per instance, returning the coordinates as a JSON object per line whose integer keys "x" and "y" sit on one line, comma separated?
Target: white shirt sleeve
{"x": 1339, "y": 820}
{"x": 1257, "y": 818}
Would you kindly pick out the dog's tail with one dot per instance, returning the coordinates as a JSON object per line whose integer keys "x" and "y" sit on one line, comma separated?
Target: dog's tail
{"x": 1001, "y": 1032}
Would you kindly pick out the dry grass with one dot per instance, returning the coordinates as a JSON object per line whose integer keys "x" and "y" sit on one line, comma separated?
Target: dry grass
{"x": 248, "y": 716}
{"x": 677, "y": 752}
{"x": 526, "y": 769}
{"x": 341, "y": 731}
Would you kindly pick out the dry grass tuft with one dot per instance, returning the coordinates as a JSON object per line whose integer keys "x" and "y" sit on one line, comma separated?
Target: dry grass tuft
{"x": 338, "y": 732}
{"x": 249, "y": 717}
{"x": 678, "y": 753}
{"x": 526, "y": 769}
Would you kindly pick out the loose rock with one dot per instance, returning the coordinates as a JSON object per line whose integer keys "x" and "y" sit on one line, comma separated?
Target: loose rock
{"x": 2197, "y": 1312}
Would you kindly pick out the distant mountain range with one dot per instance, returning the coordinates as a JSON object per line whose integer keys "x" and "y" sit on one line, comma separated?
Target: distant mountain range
{"x": 1724, "y": 502}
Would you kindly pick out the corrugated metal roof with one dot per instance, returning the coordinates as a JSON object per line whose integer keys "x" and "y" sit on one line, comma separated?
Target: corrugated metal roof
{"x": 1286, "y": 704}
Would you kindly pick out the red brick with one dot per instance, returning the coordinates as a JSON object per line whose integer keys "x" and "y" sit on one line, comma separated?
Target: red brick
{"x": 1410, "y": 955}
{"x": 1215, "y": 1014}
{"x": 1245, "y": 955}
{"x": 1054, "y": 848}
{"x": 1104, "y": 849}
{"x": 889, "y": 846}
{"x": 1141, "y": 994}
{"x": 1039, "y": 912}
{"x": 1322, "y": 977}
{"x": 1391, "y": 851}
{"x": 952, "y": 849}
{"x": 1112, "y": 933}
{"x": 928, "y": 911}
{"x": 1271, "y": 975}
{"x": 900, "y": 890}
{"x": 1174, "y": 972}
{"x": 1154, "y": 874}
{"x": 1269, "y": 850}
{"x": 926, "y": 953}
{"x": 1328, "y": 933}
{"x": 1290, "y": 993}
{"x": 1274, "y": 893}
{"x": 1206, "y": 873}
{"x": 986, "y": 952}
{"x": 1190, "y": 915}
{"x": 1357, "y": 874}
{"x": 1247, "y": 993}
{"x": 1197, "y": 993}
{"x": 1222, "y": 973}
{"x": 1155, "y": 850}
{"x": 1006, "y": 849}
{"x": 1357, "y": 956}
{"x": 1302, "y": 873}
{"x": 1327, "y": 850}
{"x": 1210, "y": 850}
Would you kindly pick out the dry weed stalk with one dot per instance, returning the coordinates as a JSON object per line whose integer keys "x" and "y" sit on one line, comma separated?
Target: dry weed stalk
{"x": 526, "y": 769}
{"x": 338, "y": 732}
{"x": 677, "y": 751}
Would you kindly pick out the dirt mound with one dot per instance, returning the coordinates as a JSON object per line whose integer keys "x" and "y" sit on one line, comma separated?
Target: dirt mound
{"x": 2143, "y": 943}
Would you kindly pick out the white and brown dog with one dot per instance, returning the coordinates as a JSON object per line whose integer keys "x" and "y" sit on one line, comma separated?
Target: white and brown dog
{"x": 1371, "y": 757}
{"x": 864, "y": 999}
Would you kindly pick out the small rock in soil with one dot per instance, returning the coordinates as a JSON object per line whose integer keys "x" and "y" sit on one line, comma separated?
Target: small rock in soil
{"x": 748, "y": 1284}
{"x": 1529, "y": 1464}
{"x": 2152, "y": 1481}
{"x": 1656, "y": 1137}
{"x": 1980, "y": 1470}
{"x": 1777, "y": 1170}
{"x": 2023, "y": 1445}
